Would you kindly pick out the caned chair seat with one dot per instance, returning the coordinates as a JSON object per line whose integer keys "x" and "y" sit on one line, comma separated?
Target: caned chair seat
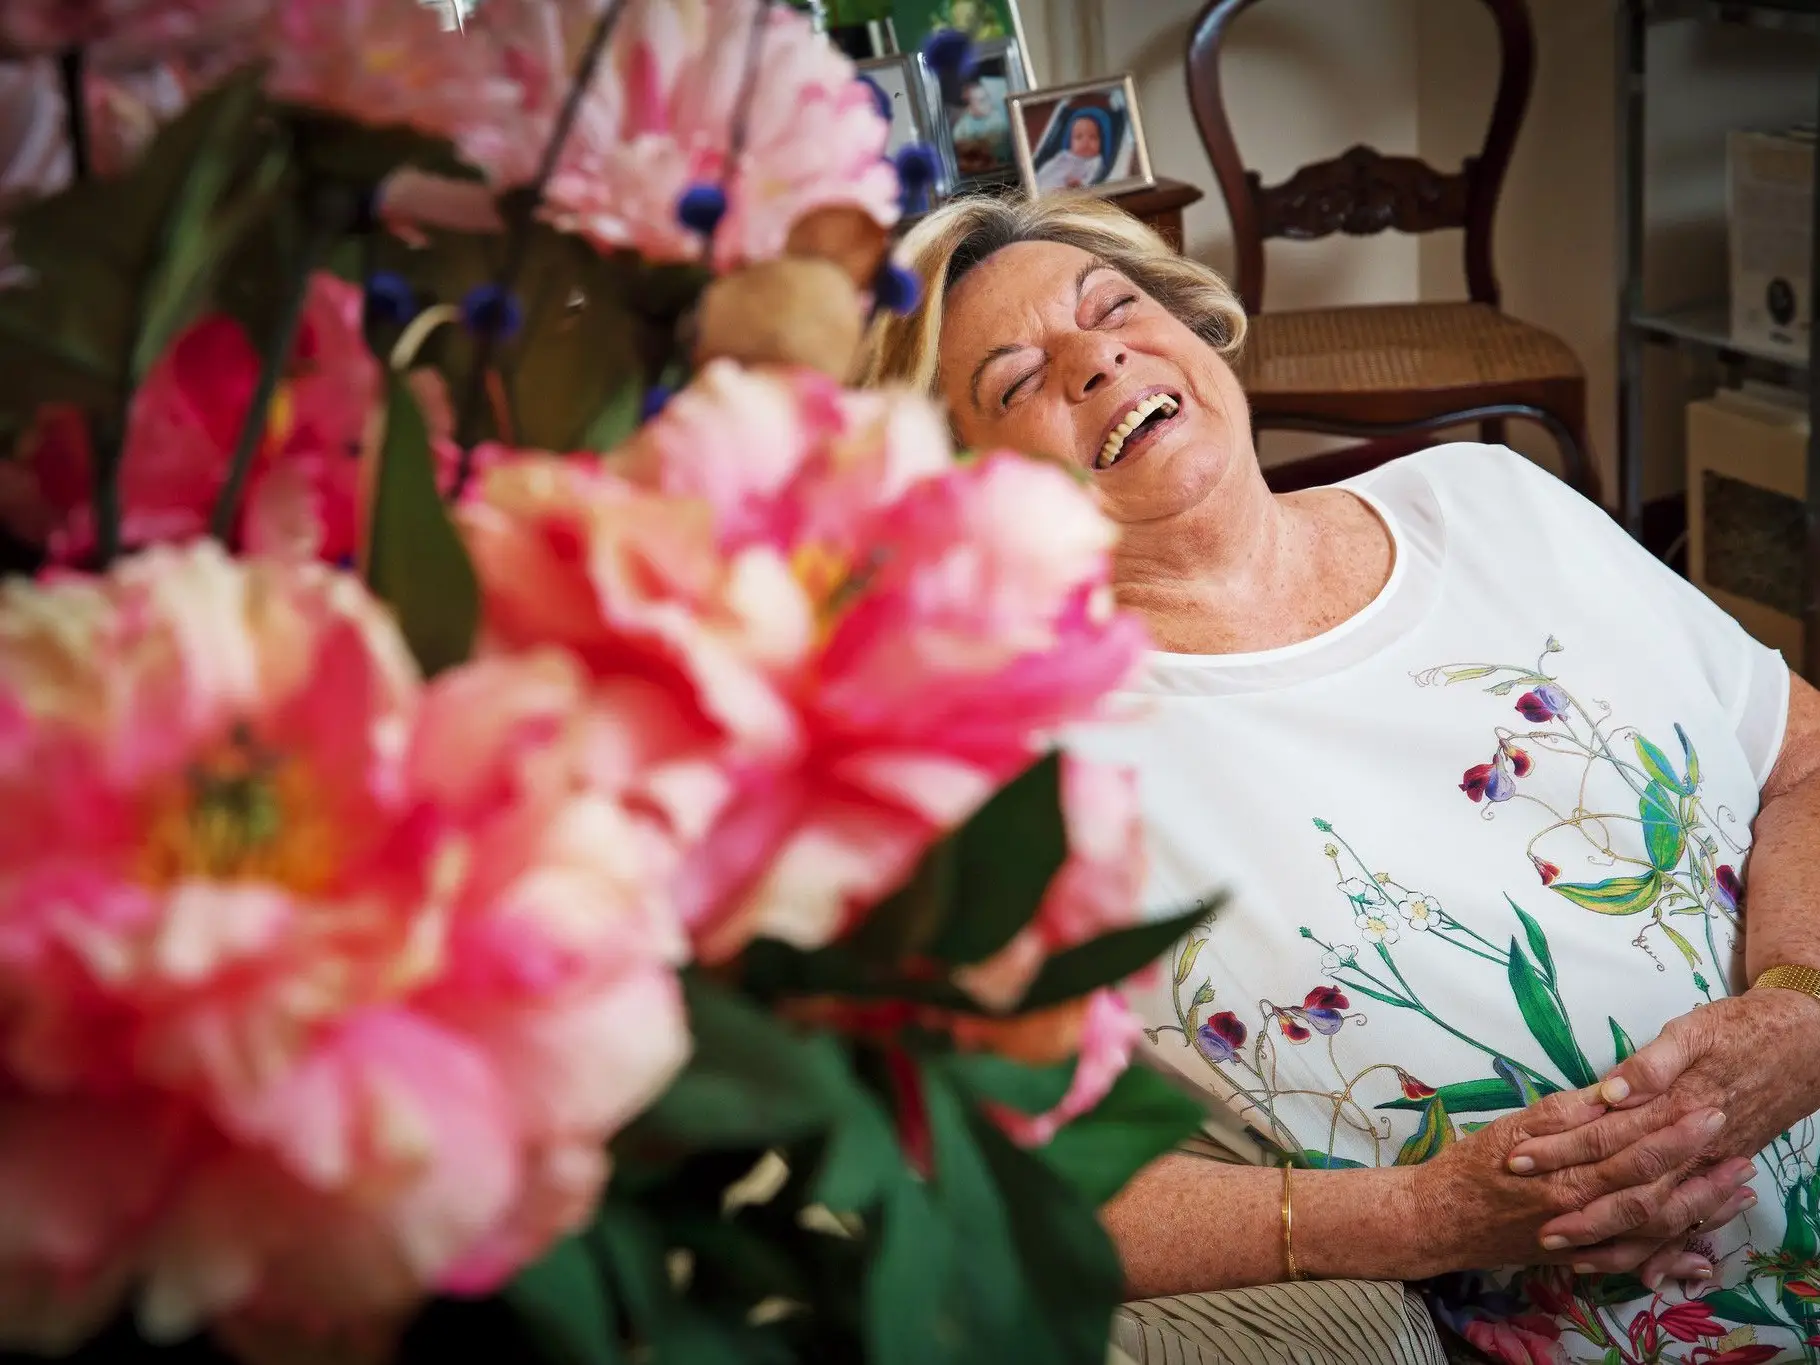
{"x": 1409, "y": 360}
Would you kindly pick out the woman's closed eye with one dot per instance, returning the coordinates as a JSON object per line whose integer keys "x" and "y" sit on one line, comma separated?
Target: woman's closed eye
{"x": 1117, "y": 310}
{"x": 1019, "y": 386}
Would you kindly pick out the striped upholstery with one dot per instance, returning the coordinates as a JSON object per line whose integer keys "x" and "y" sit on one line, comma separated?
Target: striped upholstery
{"x": 1329, "y": 1322}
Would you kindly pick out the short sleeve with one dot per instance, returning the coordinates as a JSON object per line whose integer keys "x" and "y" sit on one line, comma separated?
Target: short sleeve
{"x": 1748, "y": 678}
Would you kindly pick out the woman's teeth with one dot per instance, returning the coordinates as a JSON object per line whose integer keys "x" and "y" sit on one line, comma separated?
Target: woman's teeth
{"x": 1115, "y": 443}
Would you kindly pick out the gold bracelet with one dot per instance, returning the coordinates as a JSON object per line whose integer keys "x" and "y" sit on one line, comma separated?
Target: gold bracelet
{"x": 1790, "y": 977}
{"x": 1289, "y": 1262}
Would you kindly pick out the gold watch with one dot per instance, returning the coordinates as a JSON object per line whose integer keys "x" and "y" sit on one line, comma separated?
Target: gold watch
{"x": 1791, "y": 977}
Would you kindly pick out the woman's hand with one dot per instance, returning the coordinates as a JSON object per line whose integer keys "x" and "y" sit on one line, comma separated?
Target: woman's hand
{"x": 1484, "y": 1215}
{"x": 1752, "y": 1057}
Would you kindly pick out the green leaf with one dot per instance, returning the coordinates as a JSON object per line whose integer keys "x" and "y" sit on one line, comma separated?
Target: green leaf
{"x": 1310, "y": 1160}
{"x": 1141, "y": 1117}
{"x": 1468, "y": 674}
{"x": 1184, "y": 961}
{"x": 1620, "y": 1041}
{"x": 909, "y": 1318}
{"x": 752, "y": 1079}
{"x": 1662, "y": 834}
{"x": 563, "y": 1300}
{"x": 1693, "y": 762}
{"x": 1016, "y": 1085}
{"x": 363, "y": 154}
{"x": 1656, "y": 763}
{"x": 1547, "y": 1024}
{"x": 619, "y": 415}
{"x": 1538, "y": 942}
{"x": 1602, "y": 1291}
{"x": 1688, "y": 951}
{"x": 1527, "y": 1088}
{"x": 1798, "y": 1239}
{"x": 1105, "y": 960}
{"x": 415, "y": 560}
{"x": 1493, "y": 1095}
{"x": 1733, "y": 1305}
{"x": 1432, "y": 1136}
{"x": 1375, "y": 994}
{"x": 1005, "y": 858}
{"x": 862, "y": 1161}
{"x": 630, "y": 1242}
{"x": 1612, "y": 1356}
{"x": 1614, "y": 895}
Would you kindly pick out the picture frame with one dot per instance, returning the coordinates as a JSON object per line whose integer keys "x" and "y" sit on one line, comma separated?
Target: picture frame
{"x": 983, "y": 21}
{"x": 914, "y": 98}
{"x": 1062, "y": 134}
{"x": 974, "y": 123}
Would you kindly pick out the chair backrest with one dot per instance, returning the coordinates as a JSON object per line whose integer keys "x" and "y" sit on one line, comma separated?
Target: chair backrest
{"x": 1362, "y": 191}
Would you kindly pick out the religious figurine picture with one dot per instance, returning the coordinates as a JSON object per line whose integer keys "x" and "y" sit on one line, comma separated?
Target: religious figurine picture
{"x": 1081, "y": 137}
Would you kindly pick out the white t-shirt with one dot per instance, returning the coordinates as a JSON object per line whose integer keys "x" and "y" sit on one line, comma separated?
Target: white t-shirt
{"x": 1467, "y": 862}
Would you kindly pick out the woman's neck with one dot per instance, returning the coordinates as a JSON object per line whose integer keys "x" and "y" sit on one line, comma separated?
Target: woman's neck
{"x": 1248, "y": 570}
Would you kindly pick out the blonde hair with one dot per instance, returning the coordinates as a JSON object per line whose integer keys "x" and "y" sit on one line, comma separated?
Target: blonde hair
{"x": 949, "y": 242}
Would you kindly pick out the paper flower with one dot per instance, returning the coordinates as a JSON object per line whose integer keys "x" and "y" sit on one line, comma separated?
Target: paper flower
{"x": 659, "y": 119}
{"x": 323, "y": 994}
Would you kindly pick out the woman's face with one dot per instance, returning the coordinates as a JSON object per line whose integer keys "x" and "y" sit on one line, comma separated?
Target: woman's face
{"x": 1047, "y": 350}
{"x": 1084, "y": 139}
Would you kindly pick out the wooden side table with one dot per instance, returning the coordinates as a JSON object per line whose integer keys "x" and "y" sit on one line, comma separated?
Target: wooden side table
{"x": 1161, "y": 206}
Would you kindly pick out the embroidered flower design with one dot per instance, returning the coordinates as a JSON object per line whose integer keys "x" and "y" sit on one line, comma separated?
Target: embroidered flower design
{"x": 1362, "y": 893}
{"x": 1221, "y": 1037}
{"x": 1420, "y": 912}
{"x": 1321, "y": 1010}
{"x": 1546, "y": 870}
{"x": 1543, "y": 704}
{"x": 1689, "y": 1321}
{"x": 1343, "y": 956}
{"x": 1377, "y": 928}
{"x": 1519, "y": 761}
{"x": 1489, "y": 781}
{"x": 1412, "y": 1088}
{"x": 1728, "y": 888}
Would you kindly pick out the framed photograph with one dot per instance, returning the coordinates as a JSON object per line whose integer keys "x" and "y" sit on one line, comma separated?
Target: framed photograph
{"x": 1086, "y": 136}
{"x": 975, "y": 140}
{"x": 902, "y": 82}
{"x": 984, "y": 21}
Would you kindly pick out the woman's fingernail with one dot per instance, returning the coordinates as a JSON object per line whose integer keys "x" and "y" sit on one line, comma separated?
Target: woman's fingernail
{"x": 1615, "y": 1091}
{"x": 1749, "y": 1198}
{"x": 1585, "y": 1268}
{"x": 1701, "y": 1272}
{"x": 1522, "y": 1165}
{"x": 1653, "y": 1281}
{"x": 1553, "y": 1242}
{"x": 1713, "y": 1122}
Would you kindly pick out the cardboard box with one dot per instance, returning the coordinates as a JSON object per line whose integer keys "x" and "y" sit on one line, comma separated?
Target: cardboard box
{"x": 1747, "y": 507}
{"x": 1770, "y": 209}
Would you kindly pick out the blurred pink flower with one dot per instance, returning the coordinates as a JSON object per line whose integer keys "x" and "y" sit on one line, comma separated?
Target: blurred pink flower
{"x": 304, "y": 498}
{"x": 1096, "y": 891}
{"x": 1109, "y": 1032}
{"x": 659, "y": 118}
{"x": 323, "y": 993}
{"x": 390, "y": 63}
{"x": 126, "y": 29}
{"x": 855, "y": 639}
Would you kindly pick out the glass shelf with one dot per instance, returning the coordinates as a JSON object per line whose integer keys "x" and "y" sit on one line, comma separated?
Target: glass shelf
{"x": 1797, "y": 16}
{"x": 1708, "y": 326}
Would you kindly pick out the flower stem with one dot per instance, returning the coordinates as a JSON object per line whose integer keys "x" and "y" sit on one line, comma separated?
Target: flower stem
{"x": 325, "y": 223}
{"x": 75, "y": 112}
{"x": 518, "y": 235}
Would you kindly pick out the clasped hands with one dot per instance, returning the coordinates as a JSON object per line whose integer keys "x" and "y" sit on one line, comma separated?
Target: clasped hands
{"x": 1616, "y": 1177}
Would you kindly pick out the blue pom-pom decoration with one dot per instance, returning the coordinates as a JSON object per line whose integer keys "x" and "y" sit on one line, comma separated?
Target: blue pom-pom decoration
{"x": 489, "y": 310}
{"x": 879, "y": 97}
{"x": 897, "y": 289}
{"x": 915, "y": 165}
{"x": 656, "y": 398}
{"x": 701, "y": 207}
{"x": 390, "y": 299}
{"x": 949, "y": 53}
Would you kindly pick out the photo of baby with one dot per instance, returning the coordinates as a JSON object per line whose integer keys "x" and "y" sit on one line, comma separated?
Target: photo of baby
{"x": 1081, "y": 137}
{"x": 981, "y": 127}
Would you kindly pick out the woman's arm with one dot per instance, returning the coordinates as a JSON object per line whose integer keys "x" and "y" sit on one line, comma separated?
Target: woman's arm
{"x": 1187, "y": 1224}
{"x": 1783, "y": 920}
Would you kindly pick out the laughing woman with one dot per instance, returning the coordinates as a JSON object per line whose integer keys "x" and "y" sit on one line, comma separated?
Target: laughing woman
{"x": 1483, "y": 779}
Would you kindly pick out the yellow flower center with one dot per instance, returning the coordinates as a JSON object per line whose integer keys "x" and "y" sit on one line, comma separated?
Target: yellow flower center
{"x": 242, "y": 814}
{"x": 821, "y": 570}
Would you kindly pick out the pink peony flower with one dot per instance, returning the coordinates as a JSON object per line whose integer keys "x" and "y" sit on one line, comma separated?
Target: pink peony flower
{"x": 1096, "y": 891}
{"x": 322, "y": 993}
{"x": 390, "y": 63}
{"x": 126, "y": 29}
{"x": 856, "y": 639}
{"x": 304, "y": 499}
{"x": 659, "y": 118}
{"x": 1109, "y": 1034}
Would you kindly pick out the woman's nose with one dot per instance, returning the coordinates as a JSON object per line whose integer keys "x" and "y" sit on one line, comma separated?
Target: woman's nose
{"x": 1093, "y": 361}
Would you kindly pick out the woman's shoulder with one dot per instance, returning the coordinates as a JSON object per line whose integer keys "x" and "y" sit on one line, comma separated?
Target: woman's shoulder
{"x": 1471, "y": 474}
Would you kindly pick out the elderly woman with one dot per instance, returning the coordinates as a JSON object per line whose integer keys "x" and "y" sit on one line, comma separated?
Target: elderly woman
{"x": 1481, "y": 777}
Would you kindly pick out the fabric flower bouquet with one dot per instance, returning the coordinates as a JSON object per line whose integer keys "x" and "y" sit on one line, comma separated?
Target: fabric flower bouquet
{"x": 531, "y": 825}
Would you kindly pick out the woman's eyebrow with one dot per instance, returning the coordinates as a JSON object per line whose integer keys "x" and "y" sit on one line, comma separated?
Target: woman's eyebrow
{"x": 979, "y": 370}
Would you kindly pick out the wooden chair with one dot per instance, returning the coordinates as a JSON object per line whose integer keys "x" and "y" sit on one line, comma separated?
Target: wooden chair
{"x": 1389, "y": 372}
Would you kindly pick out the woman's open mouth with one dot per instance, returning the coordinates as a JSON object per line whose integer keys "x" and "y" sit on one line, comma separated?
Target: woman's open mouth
{"x": 1151, "y": 414}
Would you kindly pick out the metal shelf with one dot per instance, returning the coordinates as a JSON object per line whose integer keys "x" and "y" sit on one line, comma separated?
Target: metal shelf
{"x": 1708, "y": 327}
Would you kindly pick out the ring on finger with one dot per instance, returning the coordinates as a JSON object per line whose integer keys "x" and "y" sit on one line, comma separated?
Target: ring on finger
{"x": 1698, "y": 1225}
